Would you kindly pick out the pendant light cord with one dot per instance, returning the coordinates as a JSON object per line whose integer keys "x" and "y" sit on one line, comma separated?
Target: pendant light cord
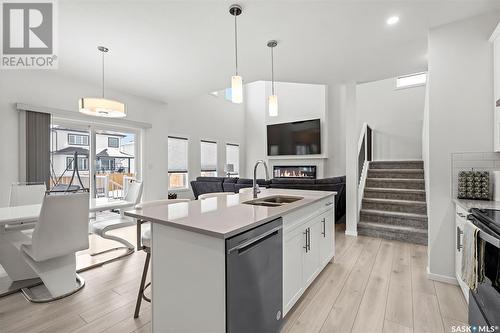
{"x": 236, "y": 43}
{"x": 272, "y": 69}
{"x": 103, "y": 74}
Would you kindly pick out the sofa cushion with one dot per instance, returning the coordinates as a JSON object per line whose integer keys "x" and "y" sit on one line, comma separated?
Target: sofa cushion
{"x": 332, "y": 180}
{"x": 261, "y": 182}
{"x": 210, "y": 179}
{"x": 230, "y": 180}
{"x": 229, "y": 187}
{"x": 292, "y": 181}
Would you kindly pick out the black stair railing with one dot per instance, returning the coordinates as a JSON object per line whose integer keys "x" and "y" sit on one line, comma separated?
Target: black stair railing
{"x": 365, "y": 149}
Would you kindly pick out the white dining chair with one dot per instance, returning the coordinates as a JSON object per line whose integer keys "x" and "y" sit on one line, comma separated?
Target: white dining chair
{"x": 22, "y": 194}
{"x": 102, "y": 227}
{"x": 144, "y": 243}
{"x": 61, "y": 231}
{"x": 214, "y": 195}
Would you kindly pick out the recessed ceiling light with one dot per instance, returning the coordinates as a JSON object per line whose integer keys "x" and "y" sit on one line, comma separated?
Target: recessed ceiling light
{"x": 393, "y": 20}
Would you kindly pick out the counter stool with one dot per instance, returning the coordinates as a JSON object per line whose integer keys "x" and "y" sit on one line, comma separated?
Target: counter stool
{"x": 144, "y": 243}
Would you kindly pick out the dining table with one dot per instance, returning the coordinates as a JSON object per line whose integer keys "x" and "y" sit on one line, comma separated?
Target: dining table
{"x": 12, "y": 264}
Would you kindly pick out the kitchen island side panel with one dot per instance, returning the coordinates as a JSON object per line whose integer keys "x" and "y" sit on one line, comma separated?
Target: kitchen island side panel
{"x": 188, "y": 281}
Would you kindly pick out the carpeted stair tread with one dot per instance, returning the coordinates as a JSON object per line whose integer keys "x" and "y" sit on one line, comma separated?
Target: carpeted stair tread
{"x": 422, "y": 217}
{"x": 395, "y": 190}
{"x": 396, "y": 165}
{"x": 392, "y": 227}
{"x": 393, "y": 232}
{"x": 395, "y": 201}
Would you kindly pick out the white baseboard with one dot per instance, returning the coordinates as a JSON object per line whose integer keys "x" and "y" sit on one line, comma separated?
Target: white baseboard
{"x": 351, "y": 233}
{"x": 442, "y": 278}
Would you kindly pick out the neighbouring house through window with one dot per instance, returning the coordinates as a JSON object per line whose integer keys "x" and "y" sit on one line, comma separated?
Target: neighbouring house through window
{"x": 113, "y": 142}
{"x": 78, "y": 139}
{"x": 208, "y": 158}
{"x": 83, "y": 163}
{"x": 177, "y": 163}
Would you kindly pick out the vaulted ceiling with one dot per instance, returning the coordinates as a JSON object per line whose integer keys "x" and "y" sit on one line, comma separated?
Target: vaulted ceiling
{"x": 168, "y": 50}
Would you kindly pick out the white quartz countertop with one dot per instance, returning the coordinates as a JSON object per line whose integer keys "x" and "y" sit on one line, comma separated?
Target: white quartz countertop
{"x": 481, "y": 204}
{"x": 226, "y": 216}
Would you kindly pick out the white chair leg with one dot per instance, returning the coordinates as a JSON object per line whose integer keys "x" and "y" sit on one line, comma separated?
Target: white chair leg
{"x": 58, "y": 275}
{"x": 11, "y": 256}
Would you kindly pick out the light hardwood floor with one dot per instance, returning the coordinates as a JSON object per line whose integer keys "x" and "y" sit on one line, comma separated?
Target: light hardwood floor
{"x": 373, "y": 285}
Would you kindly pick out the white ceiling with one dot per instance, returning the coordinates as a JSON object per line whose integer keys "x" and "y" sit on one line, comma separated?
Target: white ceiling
{"x": 168, "y": 50}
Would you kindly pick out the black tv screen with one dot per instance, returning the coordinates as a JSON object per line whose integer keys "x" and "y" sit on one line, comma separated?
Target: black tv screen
{"x": 297, "y": 138}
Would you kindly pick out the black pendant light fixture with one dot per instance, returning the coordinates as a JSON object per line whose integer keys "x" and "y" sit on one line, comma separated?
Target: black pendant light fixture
{"x": 236, "y": 80}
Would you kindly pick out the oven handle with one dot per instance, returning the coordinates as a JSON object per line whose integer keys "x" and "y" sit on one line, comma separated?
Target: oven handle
{"x": 486, "y": 236}
{"x": 489, "y": 239}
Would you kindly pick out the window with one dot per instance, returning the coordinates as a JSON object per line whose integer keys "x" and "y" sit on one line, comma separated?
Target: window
{"x": 83, "y": 163}
{"x": 78, "y": 139}
{"x": 232, "y": 160}
{"x": 208, "y": 158}
{"x": 413, "y": 80}
{"x": 177, "y": 163}
{"x": 113, "y": 142}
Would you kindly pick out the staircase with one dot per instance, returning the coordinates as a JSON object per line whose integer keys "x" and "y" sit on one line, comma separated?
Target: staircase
{"x": 394, "y": 205}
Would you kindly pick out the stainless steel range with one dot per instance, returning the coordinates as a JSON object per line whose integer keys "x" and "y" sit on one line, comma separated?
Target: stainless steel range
{"x": 484, "y": 302}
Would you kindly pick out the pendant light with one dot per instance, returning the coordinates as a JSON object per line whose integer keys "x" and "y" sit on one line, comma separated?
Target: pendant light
{"x": 236, "y": 80}
{"x": 273, "y": 99}
{"x": 100, "y": 106}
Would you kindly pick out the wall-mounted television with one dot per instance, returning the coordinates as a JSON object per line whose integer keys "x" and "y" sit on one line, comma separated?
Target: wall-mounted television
{"x": 297, "y": 138}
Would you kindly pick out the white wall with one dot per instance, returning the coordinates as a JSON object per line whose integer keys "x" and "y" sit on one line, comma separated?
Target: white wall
{"x": 211, "y": 118}
{"x": 460, "y": 119}
{"x": 296, "y": 101}
{"x": 395, "y": 115}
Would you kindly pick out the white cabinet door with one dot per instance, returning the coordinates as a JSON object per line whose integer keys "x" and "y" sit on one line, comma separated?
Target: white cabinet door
{"x": 460, "y": 220}
{"x": 326, "y": 237}
{"x": 292, "y": 268}
{"x": 311, "y": 256}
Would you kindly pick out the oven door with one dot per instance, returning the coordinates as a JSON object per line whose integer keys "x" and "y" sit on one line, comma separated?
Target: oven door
{"x": 487, "y": 294}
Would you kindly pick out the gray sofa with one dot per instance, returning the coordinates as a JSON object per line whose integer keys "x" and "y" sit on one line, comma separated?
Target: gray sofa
{"x": 222, "y": 184}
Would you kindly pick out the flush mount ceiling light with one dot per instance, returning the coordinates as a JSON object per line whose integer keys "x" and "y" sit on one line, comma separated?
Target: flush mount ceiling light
{"x": 100, "y": 106}
{"x": 273, "y": 99}
{"x": 392, "y": 20}
{"x": 236, "y": 80}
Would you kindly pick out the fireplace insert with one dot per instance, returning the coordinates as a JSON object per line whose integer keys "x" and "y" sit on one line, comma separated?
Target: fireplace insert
{"x": 294, "y": 171}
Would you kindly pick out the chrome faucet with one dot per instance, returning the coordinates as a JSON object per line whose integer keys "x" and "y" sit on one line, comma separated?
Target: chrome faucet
{"x": 255, "y": 186}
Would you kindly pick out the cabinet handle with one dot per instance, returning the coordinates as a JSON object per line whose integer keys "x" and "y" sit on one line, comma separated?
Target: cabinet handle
{"x": 306, "y": 246}
{"x": 329, "y": 203}
{"x": 459, "y": 243}
{"x": 324, "y": 227}
{"x": 309, "y": 239}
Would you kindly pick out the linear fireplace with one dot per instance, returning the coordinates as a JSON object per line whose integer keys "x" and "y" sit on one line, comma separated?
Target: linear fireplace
{"x": 294, "y": 171}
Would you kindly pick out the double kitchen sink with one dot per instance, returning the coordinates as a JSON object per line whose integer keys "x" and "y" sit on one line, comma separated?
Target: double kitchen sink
{"x": 273, "y": 201}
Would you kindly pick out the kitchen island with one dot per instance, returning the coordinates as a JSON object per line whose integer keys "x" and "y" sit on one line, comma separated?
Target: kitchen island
{"x": 196, "y": 285}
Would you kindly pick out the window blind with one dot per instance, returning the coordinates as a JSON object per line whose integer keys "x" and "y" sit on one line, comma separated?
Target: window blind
{"x": 177, "y": 154}
{"x": 208, "y": 156}
{"x": 233, "y": 156}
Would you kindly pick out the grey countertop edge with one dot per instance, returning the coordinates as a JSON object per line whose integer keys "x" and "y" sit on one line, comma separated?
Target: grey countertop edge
{"x": 482, "y": 204}
{"x": 234, "y": 232}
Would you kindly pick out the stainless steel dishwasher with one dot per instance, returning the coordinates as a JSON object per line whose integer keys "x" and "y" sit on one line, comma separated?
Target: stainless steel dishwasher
{"x": 254, "y": 280}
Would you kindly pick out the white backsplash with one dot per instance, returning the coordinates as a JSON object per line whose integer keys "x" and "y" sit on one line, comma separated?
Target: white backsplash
{"x": 473, "y": 161}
